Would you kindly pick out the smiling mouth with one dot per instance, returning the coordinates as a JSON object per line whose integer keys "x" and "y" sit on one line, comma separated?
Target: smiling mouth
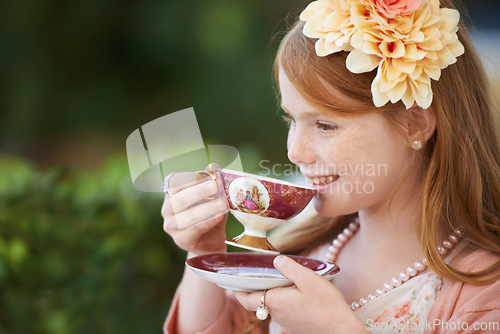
{"x": 323, "y": 179}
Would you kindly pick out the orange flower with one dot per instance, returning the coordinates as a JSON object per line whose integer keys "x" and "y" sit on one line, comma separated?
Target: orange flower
{"x": 393, "y": 8}
{"x": 409, "y": 49}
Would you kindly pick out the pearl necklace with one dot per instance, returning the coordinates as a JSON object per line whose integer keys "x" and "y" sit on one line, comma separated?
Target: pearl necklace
{"x": 397, "y": 280}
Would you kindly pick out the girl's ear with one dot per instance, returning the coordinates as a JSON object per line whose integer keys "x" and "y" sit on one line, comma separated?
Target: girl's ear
{"x": 421, "y": 124}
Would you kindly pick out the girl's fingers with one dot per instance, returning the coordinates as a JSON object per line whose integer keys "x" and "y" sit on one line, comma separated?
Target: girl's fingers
{"x": 301, "y": 276}
{"x": 166, "y": 208}
{"x": 176, "y": 182}
{"x": 187, "y": 197}
{"x": 199, "y": 214}
{"x": 251, "y": 301}
{"x": 209, "y": 210}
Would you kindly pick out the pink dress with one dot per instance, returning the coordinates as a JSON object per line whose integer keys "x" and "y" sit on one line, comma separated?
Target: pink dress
{"x": 424, "y": 304}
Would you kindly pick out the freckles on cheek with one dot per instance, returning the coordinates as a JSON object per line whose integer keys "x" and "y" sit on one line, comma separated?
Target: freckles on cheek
{"x": 339, "y": 156}
{"x": 353, "y": 148}
{"x": 348, "y": 150}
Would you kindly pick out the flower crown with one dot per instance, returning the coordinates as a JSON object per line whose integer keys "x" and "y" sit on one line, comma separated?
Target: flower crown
{"x": 409, "y": 40}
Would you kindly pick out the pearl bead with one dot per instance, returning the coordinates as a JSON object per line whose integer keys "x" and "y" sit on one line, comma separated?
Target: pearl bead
{"x": 342, "y": 237}
{"x": 363, "y": 301}
{"x": 353, "y": 227}
{"x": 379, "y": 292}
{"x": 419, "y": 266}
{"x": 453, "y": 238}
{"x": 355, "y": 305}
{"x": 333, "y": 250}
{"x": 337, "y": 243}
{"x": 441, "y": 250}
{"x": 404, "y": 276}
{"x": 331, "y": 259}
{"x": 416, "y": 145}
{"x": 458, "y": 233}
{"x": 371, "y": 297}
{"x": 347, "y": 232}
{"x": 388, "y": 287}
{"x": 447, "y": 244}
{"x": 395, "y": 282}
{"x": 424, "y": 261}
{"x": 262, "y": 313}
{"x": 411, "y": 271}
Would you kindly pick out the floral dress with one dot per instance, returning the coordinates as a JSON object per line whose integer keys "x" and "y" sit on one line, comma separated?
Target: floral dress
{"x": 401, "y": 310}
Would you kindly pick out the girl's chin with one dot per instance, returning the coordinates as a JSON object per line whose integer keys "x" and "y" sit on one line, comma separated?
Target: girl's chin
{"x": 321, "y": 206}
{"x": 328, "y": 207}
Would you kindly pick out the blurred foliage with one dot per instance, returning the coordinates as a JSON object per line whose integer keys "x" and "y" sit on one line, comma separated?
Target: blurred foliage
{"x": 82, "y": 252}
{"x": 99, "y": 69}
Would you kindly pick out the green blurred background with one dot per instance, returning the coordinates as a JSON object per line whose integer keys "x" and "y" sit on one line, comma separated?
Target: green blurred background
{"x": 81, "y": 251}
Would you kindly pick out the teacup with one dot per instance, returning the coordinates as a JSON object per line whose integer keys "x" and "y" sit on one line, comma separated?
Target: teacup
{"x": 260, "y": 204}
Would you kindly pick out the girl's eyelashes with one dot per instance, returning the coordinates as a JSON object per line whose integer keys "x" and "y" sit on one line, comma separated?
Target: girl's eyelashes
{"x": 288, "y": 120}
{"x": 325, "y": 127}
{"x": 321, "y": 125}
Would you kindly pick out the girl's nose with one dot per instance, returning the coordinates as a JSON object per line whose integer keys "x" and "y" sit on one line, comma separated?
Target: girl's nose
{"x": 300, "y": 148}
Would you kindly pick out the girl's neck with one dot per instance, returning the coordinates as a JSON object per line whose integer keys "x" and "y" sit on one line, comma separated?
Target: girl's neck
{"x": 387, "y": 225}
{"x": 392, "y": 224}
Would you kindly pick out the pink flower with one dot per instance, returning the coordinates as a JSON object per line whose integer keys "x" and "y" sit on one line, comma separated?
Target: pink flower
{"x": 393, "y": 8}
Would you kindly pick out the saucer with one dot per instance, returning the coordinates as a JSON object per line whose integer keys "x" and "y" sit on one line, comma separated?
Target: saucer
{"x": 251, "y": 271}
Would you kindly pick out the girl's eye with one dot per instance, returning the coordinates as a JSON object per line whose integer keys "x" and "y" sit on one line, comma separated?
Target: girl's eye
{"x": 326, "y": 127}
{"x": 288, "y": 120}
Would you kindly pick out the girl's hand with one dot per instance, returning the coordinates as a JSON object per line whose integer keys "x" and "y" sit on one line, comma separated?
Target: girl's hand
{"x": 313, "y": 305}
{"x": 195, "y": 214}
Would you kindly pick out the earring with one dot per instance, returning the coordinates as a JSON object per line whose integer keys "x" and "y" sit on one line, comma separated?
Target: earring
{"x": 416, "y": 145}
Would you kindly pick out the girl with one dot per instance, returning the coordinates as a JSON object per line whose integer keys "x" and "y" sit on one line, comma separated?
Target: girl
{"x": 418, "y": 242}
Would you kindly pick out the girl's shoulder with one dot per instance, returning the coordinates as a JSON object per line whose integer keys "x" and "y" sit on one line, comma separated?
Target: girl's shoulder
{"x": 473, "y": 259}
{"x": 461, "y": 301}
{"x": 483, "y": 295}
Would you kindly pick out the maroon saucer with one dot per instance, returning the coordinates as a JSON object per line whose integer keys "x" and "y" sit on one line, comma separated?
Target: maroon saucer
{"x": 251, "y": 271}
